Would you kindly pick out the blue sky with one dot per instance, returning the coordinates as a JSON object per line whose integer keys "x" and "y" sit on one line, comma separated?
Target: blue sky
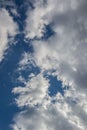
{"x": 43, "y": 59}
{"x": 8, "y": 75}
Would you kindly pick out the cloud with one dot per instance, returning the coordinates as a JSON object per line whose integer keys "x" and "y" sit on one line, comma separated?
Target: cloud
{"x": 35, "y": 22}
{"x": 66, "y": 50}
{"x": 26, "y": 61}
{"x": 51, "y": 118}
{"x": 45, "y": 112}
{"x": 62, "y": 55}
{"x": 7, "y": 28}
{"x": 34, "y": 91}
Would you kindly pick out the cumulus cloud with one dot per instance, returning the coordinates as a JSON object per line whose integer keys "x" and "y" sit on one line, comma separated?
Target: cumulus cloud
{"x": 66, "y": 53}
{"x": 7, "y": 28}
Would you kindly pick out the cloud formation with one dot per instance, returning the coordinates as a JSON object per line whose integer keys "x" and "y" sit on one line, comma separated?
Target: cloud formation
{"x": 63, "y": 55}
{"x": 8, "y": 28}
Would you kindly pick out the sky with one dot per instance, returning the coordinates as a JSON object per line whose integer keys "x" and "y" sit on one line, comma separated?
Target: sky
{"x": 43, "y": 65}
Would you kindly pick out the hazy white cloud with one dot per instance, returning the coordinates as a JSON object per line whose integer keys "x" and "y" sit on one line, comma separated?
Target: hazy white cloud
{"x": 7, "y": 28}
{"x": 66, "y": 53}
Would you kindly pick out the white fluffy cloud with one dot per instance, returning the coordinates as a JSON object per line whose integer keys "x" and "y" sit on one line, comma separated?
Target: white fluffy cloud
{"x": 66, "y": 53}
{"x": 7, "y": 28}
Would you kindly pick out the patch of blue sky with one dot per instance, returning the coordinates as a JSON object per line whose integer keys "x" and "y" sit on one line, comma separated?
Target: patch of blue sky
{"x": 55, "y": 86}
{"x": 48, "y": 32}
{"x": 8, "y": 80}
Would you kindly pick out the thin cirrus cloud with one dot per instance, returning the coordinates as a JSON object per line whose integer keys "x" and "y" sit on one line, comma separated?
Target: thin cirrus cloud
{"x": 66, "y": 53}
{"x": 7, "y": 28}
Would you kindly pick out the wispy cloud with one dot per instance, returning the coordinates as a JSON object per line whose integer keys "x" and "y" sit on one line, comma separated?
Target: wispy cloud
{"x": 7, "y": 28}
